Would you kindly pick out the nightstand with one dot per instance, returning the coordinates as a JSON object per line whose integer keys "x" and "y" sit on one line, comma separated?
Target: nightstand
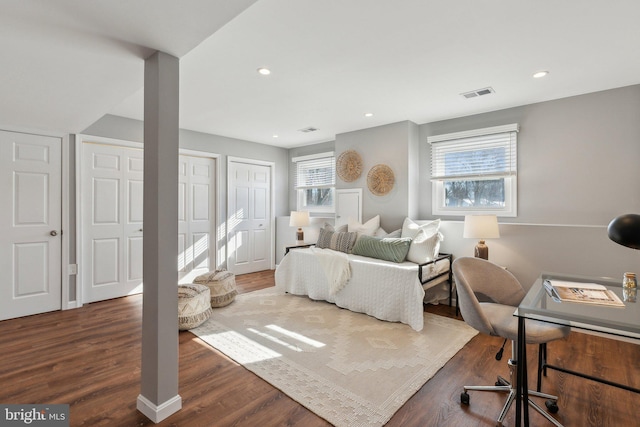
{"x": 297, "y": 245}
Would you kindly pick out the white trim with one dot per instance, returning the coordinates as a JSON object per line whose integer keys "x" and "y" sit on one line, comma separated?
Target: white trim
{"x": 313, "y": 156}
{"x": 33, "y": 131}
{"x": 533, "y": 224}
{"x": 157, "y": 413}
{"x": 78, "y": 201}
{"x": 272, "y": 168}
{"x": 90, "y": 139}
{"x": 475, "y": 132}
{"x": 249, "y": 161}
{"x": 64, "y": 267}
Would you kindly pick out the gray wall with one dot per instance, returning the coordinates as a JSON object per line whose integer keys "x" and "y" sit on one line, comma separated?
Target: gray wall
{"x": 577, "y": 157}
{"x": 577, "y": 170}
{"x": 390, "y": 145}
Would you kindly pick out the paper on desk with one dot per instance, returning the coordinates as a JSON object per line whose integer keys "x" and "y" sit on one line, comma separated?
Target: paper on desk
{"x": 580, "y": 285}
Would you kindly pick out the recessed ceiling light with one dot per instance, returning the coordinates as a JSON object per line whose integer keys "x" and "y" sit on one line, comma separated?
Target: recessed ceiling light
{"x": 264, "y": 71}
{"x": 540, "y": 74}
{"x": 368, "y": 114}
{"x": 275, "y": 136}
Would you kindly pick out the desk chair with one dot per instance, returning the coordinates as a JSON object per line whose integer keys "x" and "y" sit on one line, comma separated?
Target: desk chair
{"x": 488, "y": 295}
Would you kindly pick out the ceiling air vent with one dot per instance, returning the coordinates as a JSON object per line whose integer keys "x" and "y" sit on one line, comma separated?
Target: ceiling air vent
{"x": 308, "y": 129}
{"x": 478, "y": 92}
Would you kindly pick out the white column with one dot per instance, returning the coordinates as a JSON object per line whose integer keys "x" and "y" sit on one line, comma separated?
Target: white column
{"x": 159, "y": 396}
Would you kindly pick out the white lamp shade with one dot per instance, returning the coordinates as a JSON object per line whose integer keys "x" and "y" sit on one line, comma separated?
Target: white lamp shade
{"x": 299, "y": 219}
{"x": 481, "y": 227}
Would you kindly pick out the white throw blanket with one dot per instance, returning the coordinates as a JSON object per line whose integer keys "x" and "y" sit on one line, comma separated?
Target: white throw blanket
{"x": 335, "y": 266}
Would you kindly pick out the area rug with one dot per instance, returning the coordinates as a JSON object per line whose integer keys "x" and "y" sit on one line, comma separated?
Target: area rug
{"x": 349, "y": 368}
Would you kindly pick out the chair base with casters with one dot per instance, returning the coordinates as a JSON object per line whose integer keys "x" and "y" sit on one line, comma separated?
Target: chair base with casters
{"x": 502, "y": 385}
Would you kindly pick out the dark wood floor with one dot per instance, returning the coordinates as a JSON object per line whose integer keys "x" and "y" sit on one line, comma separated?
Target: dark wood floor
{"x": 90, "y": 358}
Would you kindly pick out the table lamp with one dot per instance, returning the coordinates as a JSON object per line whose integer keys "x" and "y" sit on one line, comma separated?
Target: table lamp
{"x": 299, "y": 219}
{"x": 481, "y": 227}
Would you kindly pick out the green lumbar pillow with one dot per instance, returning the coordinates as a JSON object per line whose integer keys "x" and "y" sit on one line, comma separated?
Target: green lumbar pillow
{"x": 388, "y": 249}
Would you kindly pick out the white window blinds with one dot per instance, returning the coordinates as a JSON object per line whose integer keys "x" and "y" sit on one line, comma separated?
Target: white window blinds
{"x": 315, "y": 171}
{"x": 481, "y": 154}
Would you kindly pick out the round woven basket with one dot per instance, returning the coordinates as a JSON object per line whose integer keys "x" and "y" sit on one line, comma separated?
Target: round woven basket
{"x": 349, "y": 166}
{"x": 380, "y": 180}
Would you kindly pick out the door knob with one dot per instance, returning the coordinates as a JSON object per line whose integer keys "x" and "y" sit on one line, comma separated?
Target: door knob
{"x": 53, "y": 233}
{"x": 140, "y": 229}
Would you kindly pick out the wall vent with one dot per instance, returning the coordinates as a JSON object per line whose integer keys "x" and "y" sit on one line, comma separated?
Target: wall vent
{"x": 308, "y": 129}
{"x": 478, "y": 92}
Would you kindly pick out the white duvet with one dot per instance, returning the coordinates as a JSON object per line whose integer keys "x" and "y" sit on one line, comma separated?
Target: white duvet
{"x": 383, "y": 289}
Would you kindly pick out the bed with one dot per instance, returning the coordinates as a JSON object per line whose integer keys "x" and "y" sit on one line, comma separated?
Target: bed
{"x": 383, "y": 289}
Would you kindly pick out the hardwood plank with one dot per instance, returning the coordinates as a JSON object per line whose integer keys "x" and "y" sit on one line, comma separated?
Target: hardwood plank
{"x": 90, "y": 359}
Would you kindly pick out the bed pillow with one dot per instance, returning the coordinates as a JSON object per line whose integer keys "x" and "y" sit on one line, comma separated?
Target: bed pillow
{"x": 339, "y": 229}
{"x": 424, "y": 247}
{"x": 394, "y": 234}
{"x": 410, "y": 228}
{"x": 366, "y": 229}
{"x": 338, "y": 241}
{"x": 388, "y": 249}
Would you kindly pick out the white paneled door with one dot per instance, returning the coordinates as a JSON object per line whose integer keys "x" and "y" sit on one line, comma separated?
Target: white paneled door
{"x": 30, "y": 224}
{"x": 111, "y": 209}
{"x": 249, "y": 217}
{"x": 112, "y": 228}
{"x": 348, "y": 205}
{"x": 196, "y": 214}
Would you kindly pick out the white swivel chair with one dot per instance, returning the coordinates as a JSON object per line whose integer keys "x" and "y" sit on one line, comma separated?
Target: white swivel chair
{"x": 488, "y": 296}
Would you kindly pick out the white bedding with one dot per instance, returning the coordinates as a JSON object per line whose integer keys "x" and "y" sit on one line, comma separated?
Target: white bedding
{"x": 383, "y": 289}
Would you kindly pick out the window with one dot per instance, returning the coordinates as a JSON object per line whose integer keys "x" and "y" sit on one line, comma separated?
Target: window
{"x": 475, "y": 172}
{"x": 315, "y": 180}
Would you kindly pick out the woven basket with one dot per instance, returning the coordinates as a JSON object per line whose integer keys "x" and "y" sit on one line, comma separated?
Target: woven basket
{"x": 222, "y": 286}
{"x": 193, "y": 306}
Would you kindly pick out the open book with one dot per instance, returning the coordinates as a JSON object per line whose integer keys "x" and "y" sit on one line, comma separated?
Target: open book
{"x": 588, "y": 293}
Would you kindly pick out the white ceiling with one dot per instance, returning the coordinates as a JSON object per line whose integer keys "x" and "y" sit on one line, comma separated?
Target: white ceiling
{"x": 68, "y": 62}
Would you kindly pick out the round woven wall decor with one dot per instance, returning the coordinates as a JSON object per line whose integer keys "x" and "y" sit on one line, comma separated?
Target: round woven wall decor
{"x": 380, "y": 180}
{"x": 349, "y": 166}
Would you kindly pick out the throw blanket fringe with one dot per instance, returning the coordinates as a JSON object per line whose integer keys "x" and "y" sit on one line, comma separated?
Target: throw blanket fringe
{"x": 335, "y": 266}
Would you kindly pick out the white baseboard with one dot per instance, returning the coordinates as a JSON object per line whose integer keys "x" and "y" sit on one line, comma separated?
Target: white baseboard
{"x": 157, "y": 413}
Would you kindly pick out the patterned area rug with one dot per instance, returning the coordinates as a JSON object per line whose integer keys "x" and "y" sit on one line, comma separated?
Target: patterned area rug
{"x": 348, "y": 368}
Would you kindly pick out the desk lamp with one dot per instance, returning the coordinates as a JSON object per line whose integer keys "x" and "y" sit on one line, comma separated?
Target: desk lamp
{"x": 625, "y": 230}
{"x": 299, "y": 219}
{"x": 481, "y": 227}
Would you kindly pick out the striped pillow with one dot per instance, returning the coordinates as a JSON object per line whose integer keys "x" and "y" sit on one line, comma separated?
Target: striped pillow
{"x": 342, "y": 241}
{"x": 388, "y": 249}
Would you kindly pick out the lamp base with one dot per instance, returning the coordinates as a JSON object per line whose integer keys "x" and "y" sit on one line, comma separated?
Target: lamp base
{"x": 481, "y": 250}
{"x": 300, "y": 235}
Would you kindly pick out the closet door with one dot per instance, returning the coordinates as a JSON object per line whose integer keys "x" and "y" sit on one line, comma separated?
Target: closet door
{"x": 249, "y": 235}
{"x": 112, "y": 230}
{"x": 196, "y": 217}
{"x": 112, "y": 186}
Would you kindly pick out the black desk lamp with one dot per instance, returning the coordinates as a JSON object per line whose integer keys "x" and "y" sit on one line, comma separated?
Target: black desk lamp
{"x": 625, "y": 230}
